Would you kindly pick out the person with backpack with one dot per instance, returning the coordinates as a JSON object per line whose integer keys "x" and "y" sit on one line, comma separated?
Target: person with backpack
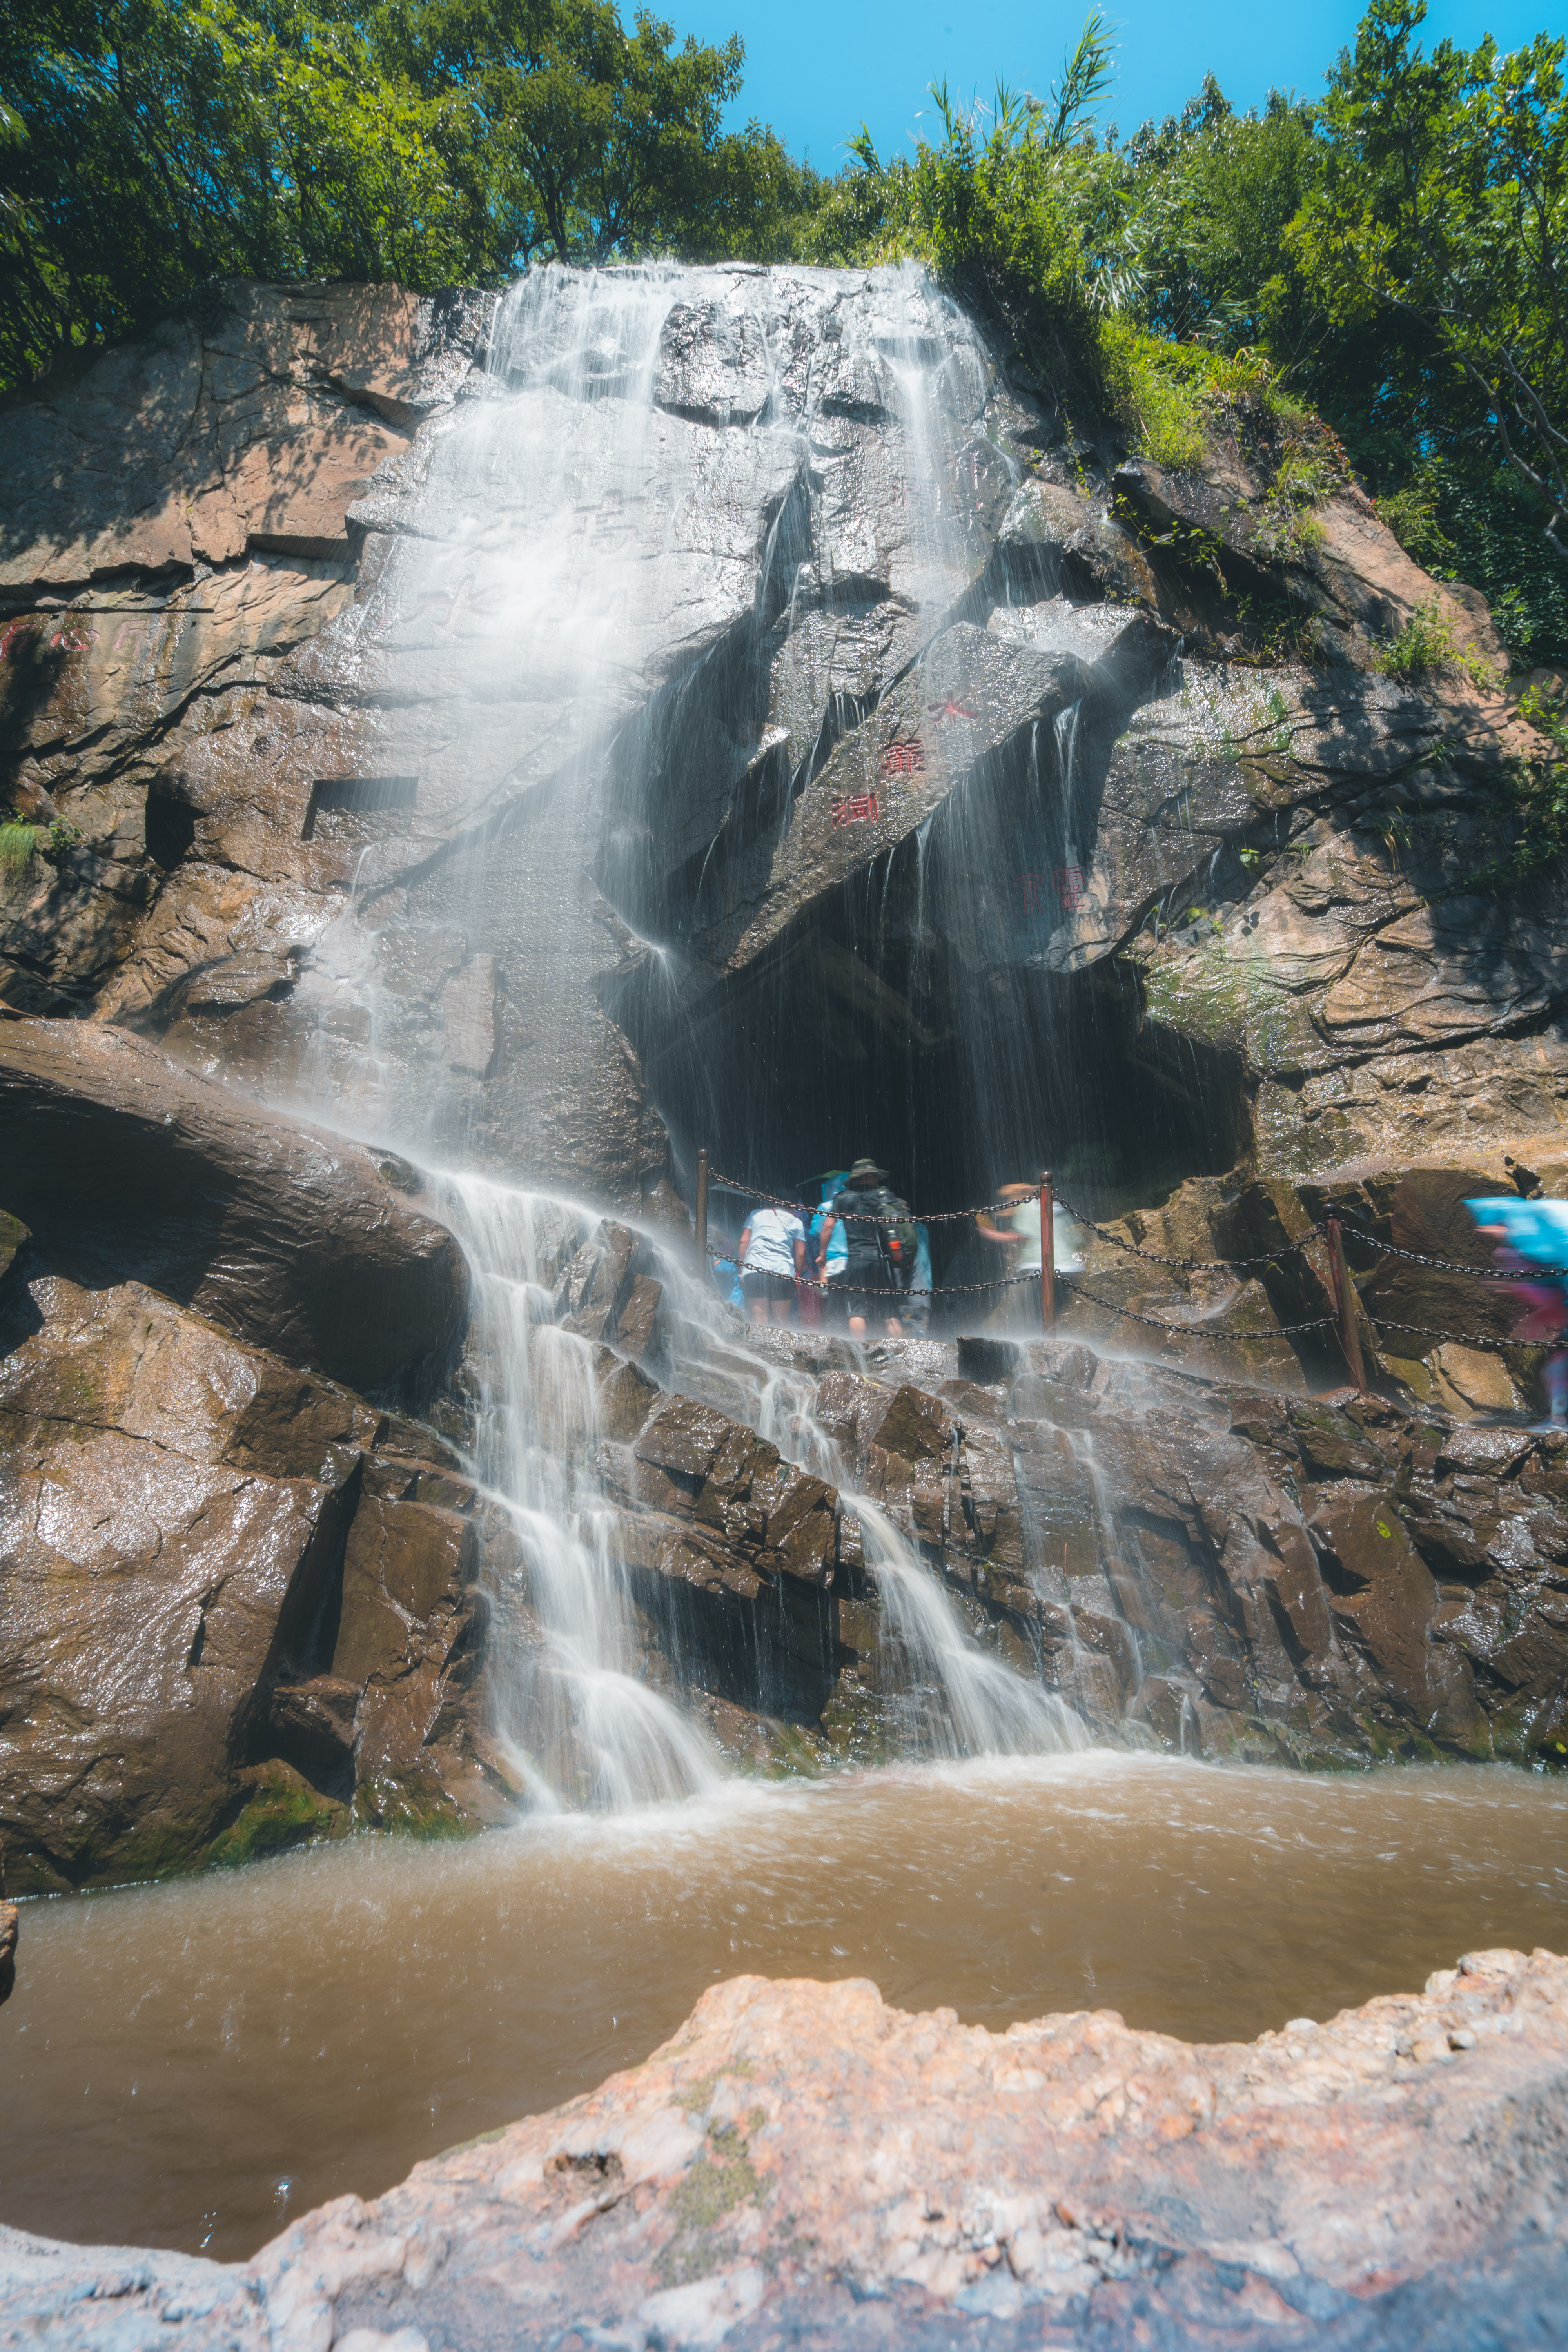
{"x": 880, "y": 1242}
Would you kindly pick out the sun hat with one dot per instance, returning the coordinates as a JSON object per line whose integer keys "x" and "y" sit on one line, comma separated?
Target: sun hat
{"x": 866, "y": 1167}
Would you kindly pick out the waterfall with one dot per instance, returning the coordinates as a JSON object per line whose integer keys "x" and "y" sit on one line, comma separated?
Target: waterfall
{"x": 688, "y": 532}
{"x": 536, "y": 1422}
{"x": 982, "y": 1709}
{"x": 1065, "y": 727}
{"x": 624, "y": 1743}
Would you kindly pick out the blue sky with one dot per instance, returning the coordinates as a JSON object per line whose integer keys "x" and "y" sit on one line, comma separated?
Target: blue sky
{"x": 815, "y": 68}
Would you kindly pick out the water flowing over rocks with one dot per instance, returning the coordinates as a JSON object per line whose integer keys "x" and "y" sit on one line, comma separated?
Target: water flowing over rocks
{"x": 802, "y": 2164}
{"x": 677, "y": 706}
{"x": 243, "y": 1606}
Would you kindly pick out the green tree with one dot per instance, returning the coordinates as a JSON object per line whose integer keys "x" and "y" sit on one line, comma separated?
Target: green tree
{"x": 1440, "y": 217}
{"x": 149, "y": 146}
{"x": 1213, "y": 194}
{"x": 597, "y": 142}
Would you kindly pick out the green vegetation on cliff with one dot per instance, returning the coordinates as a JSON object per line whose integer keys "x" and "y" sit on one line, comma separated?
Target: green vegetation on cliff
{"x": 1391, "y": 260}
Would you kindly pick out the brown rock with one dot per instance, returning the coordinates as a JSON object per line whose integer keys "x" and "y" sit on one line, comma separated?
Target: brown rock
{"x": 314, "y": 1720}
{"x": 1384, "y": 1597}
{"x": 125, "y": 1164}
{"x": 1099, "y": 2175}
{"x": 151, "y": 1589}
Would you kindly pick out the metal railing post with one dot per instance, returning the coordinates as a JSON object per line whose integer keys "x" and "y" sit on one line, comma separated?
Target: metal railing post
{"x": 1345, "y": 1300}
{"x": 702, "y": 1209}
{"x": 1048, "y": 1256}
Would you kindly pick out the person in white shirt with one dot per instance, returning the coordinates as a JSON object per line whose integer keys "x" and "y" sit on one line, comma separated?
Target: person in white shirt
{"x": 1024, "y": 1217}
{"x": 772, "y": 1255}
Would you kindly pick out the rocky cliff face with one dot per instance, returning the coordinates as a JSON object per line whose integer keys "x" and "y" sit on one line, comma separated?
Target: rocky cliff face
{"x": 242, "y": 1605}
{"x": 736, "y": 692}
{"x": 881, "y": 738}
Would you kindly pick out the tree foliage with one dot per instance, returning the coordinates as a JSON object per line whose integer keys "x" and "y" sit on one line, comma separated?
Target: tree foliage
{"x": 150, "y": 145}
{"x": 1440, "y": 209}
{"x": 1391, "y": 259}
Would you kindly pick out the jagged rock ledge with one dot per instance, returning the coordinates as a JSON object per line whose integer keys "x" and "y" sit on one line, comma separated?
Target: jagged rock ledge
{"x": 802, "y": 2164}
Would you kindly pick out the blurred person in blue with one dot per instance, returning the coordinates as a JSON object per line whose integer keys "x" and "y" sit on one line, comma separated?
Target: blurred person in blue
{"x": 1531, "y": 1236}
{"x": 917, "y": 1299}
{"x": 827, "y": 1263}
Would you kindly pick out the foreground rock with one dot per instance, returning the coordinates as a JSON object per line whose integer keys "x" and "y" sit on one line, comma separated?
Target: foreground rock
{"x": 802, "y": 2164}
{"x": 126, "y": 1165}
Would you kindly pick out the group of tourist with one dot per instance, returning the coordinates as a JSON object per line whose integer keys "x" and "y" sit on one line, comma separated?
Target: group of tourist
{"x": 861, "y": 1256}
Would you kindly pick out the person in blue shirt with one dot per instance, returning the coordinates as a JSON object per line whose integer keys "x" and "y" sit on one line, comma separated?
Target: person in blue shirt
{"x": 829, "y": 1266}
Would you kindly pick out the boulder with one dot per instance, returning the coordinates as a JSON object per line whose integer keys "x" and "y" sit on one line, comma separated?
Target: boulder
{"x": 1388, "y": 2176}
{"x": 127, "y": 1166}
{"x": 213, "y": 1639}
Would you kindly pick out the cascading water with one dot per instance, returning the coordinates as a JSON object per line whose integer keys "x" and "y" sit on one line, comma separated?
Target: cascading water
{"x": 635, "y": 600}
{"x": 982, "y": 1709}
{"x": 535, "y": 1425}
{"x": 535, "y": 1429}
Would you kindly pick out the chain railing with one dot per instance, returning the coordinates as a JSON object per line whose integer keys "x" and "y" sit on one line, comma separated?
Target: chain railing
{"x": 1328, "y": 1232}
{"x": 1453, "y": 1265}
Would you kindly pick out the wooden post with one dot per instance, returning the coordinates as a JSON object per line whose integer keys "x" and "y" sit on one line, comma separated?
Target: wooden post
{"x": 1047, "y": 1256}
{"x": 702, "y": 1214}
{"x": 1344, "y": 1297}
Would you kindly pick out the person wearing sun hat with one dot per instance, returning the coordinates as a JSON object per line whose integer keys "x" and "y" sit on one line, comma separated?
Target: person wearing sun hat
{"x": 873, "y": 1220}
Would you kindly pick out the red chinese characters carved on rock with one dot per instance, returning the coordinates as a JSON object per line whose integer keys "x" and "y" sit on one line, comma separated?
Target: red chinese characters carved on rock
{"x": 906, "y": 758}
{"x": 858, "y": 809}
{"x": 1063, "y": 887}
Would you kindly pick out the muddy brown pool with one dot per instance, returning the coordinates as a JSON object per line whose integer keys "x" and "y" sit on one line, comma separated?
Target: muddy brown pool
{"x": 192, "y": 2064}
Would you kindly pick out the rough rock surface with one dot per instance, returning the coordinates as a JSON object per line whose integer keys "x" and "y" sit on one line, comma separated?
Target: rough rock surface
{"x": 243, "y": 1606}
{"x": 800, "y": 2152}
{"x": 232, "y": 1613}
{"x": 124, "y": 1164}
{"x": 890, "y": 730}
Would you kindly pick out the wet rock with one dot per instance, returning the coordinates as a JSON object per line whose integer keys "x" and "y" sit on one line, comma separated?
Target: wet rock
{"x": 696, "y": 1463}
{"x": 315, "y": 1720}
{"x": 1384, "y": 1598}
{"x": 127, "y": 1166}
{"x": 152, "y": 1588}
{"x": 10, "y": 1934}
{"x": 188, "y": 1547}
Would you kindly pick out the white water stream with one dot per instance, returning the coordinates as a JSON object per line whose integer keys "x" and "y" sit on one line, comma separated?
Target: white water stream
{"x": 576, "y": 542}
{"x": 536, "y": 1429}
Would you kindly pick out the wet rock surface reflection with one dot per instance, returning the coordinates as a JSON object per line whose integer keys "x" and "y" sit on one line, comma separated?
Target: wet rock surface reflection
{"x": 193, "y": 2065}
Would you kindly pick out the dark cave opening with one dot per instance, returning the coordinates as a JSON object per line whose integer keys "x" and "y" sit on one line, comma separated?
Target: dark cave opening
{"x": 845, "y": 1040}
